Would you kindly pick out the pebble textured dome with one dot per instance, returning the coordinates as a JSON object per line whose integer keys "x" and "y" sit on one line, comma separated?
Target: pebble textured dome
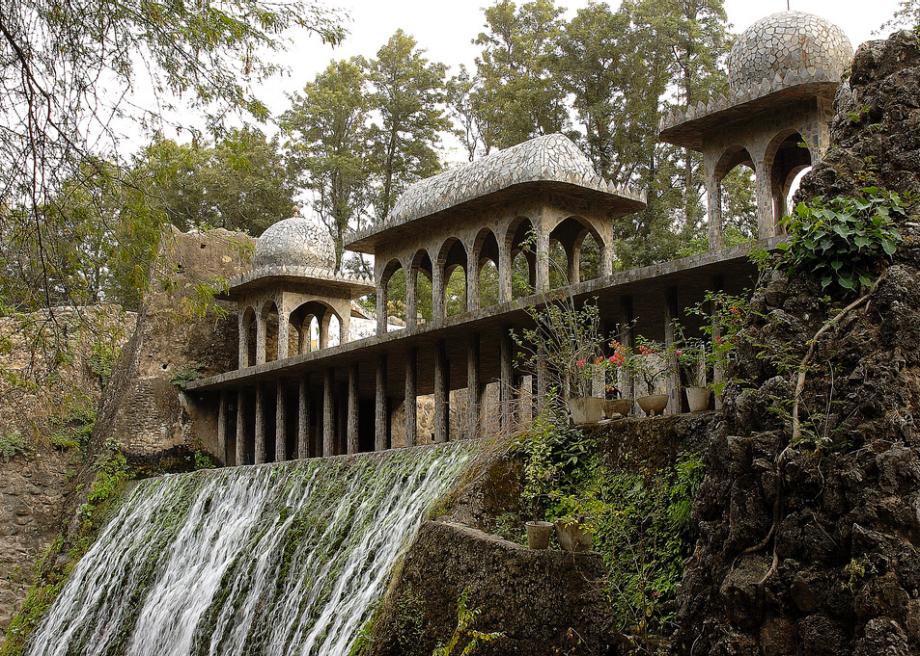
{"x": 788, "y": 41}
{"x": 295, "y": 242}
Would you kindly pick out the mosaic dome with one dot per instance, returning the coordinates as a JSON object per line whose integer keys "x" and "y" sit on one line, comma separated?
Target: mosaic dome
{"x": 788, "y": 41}
{"x": 295, "y": 242}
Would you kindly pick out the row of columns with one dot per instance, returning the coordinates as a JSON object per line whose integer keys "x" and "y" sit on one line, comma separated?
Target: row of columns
{"x": 283, "y": 338}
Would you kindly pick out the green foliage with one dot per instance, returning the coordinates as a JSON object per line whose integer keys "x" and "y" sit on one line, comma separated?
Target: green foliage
{"x": 73, "y": 426}
{"x": 841, "y": 241}
{"x": 13, "y": 444}
{"x": 204, "y": 461}
{"x": 102, "y": 360}
{"x": 185, "y": 375}
{"x": 465, "y": 638}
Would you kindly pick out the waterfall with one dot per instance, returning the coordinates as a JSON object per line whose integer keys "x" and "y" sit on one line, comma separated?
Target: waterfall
{"x": 270, "y": 559}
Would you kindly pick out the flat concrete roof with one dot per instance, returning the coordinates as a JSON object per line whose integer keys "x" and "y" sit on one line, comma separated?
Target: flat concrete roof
{"x": 692, "y": 276}
{"x": 313, "y": 278}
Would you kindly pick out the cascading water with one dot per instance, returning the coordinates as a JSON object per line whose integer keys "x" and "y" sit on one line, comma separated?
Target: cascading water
{"x": 272, "y": 559}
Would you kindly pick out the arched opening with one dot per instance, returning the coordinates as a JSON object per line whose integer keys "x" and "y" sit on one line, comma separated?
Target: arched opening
{"x": 316, "y": 325}
{"x": 735, "y": 177}
{"x": 571, "y": 265}
{"x": 334, "y": 330}
{"x": 249, "y": 325}
{"x": 484, "y": 262}
{"x": 270, "y": 318}
{"x": 520, "y": 242}
{"x": 788, "y": 157}
{"x": 453, "y": 262}
{"x": 421, "y": 273}
{"x": 393, "y": 284}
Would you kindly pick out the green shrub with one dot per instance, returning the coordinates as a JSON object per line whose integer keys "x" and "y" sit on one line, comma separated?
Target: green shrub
{"x": 13, "y": 444}
{"x": 841, "y": 241}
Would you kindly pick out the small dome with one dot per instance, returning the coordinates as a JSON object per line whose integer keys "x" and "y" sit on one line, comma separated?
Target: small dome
{"x": 788, "y": 41}
{"x": 295, "y": 242}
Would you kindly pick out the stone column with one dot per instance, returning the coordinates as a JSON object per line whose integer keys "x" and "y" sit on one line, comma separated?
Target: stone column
{"x": 261, "y": 449}
{"x": 441, "y": 394}
{"x": 625, "y": 381}
{"x": 261, "y": 338}
{"x": 244, "y": 340}
{"x": 324, "y": 329}
{"x": 411, "y": 297}
{"x": 670, "y": 315}
{"x": 345, "y": 326}
{"x": 284, "y": 332}
{"x": 506, "y": 384}
{"x": 303, "y": 419}
{"x": 504, "y": 273}
{"x": 714, "y": 211}
{"x": 472, "y": 283}
{"x": 341, "y": 421}
{"x": 381, "y": 414}
{"x": 381, "y": 309}
{"x": 762, "y": 187}
{"x": 410, "y": 397}
{"x": 606, "y": 250}
{"x": 437, "y": 291}
{"x": 573, "y": 260}
{"x": 352, "y": 424}
{"x": 474, "y": 385}
{"x": 222, "y": 427}
{"x": 280, "y": 424}
{"x": 542, "y": 263}
{"x": 241, "y": 428}
{"x": 328, "y": 415}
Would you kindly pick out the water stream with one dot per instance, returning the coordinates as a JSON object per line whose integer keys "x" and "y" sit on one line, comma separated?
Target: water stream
{"x": 272, "y": 559}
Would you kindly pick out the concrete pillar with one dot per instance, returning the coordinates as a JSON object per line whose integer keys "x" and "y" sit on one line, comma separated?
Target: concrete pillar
{"x": 381, "y": 412}
{"x": 352, "y": 423}
{"x": 280, "y": 424}
{"x": 763, "y": 189}
{"x": 244, "y": 340}
{"x": 542, "y": 262}
{"x": 303, "y": 419}
{"x": 474, "y": 385}
{"x": 718, "y": 375}
{"x": 506, "y": 384}
{"x": 345, "y": 326}
{"x": 504, "y": 273}
{"x": 410, "y": 397}
{"x": 261, "y": 449}
{"x": 324, "y": 329}
{"x": 261, "y": 338}
{"x": 328, "y": 414}
{"x": 241, "y": 428}
{"x": 573, "y": 260}
{"x": 222, "y": 428}
{"x": 606, "y": 251}
{"x": 670, "y": 315}
{"x": 714, "y": 211}
{"x": 472, "y": 283}
{"x": 381, "y": 309}
{"x": 412, "y": 298}
{"x": 341, "y": 421}
{"x": 626, "y": 382}
{"x": 437, "y": 292}
{"x": 441, "y": 394}
{"x": 284, "y": 333}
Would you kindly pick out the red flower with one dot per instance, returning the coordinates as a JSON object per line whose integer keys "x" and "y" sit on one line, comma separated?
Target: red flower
{"x": 679, "y": 353}
{"x": 581, "y": 363}
{"x": 598, "y": 360}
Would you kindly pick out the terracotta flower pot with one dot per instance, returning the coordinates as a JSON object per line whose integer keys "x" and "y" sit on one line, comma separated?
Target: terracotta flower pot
{"x": 618, "y": 406}
{"x": 538, "y": 534}
{"x": 573, "y": 537}
{"x": 653, "y": 404}
{"x": 698, "y": 398}
{"x": 586, "y": 410}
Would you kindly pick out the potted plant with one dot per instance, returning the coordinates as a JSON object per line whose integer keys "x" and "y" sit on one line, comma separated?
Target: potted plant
{"x": 583, "y": 406}
{"x": 651, "y": 363}
{"x": 615, "y": 402}
{"x": 574, "y": 529}
{"x": 538, "y": 534}
{"x": 693, "y": 357}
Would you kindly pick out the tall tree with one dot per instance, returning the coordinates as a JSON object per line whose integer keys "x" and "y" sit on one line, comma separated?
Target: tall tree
{"x": 407, "y": 92}
{"x": 327, "y": 135}
{"x": 464, "y": 104}
{"x": 519, "y": 96}
{"x": 907, "y": 15}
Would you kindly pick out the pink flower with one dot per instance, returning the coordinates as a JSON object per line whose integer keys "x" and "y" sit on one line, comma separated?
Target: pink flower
{"x": 581, "y": 363}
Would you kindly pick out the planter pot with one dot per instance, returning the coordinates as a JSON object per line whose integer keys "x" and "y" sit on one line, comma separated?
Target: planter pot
{"x": 618, "y": 406}
{"x": 586, "y": 410}
{"x": 573, "y": 537}
{"x": 698, "y": 398}
{"x": 538, "y": 534}
{"x": 653, "y": 404}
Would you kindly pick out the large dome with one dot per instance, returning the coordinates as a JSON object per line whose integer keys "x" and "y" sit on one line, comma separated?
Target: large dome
{"x": 788, "y": 41}
{"x": 295, "y": 242}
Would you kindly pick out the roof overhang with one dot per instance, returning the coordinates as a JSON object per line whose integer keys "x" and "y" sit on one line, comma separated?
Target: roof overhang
{"x": 299, "y": 278}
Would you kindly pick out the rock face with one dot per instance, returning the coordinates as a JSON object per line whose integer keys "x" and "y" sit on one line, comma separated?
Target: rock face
{"x": 143, "y": 408}
{"x": 817, "y": 551}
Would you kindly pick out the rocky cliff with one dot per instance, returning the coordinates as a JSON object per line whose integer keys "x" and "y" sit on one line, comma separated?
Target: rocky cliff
{"x": 813, "y": 546}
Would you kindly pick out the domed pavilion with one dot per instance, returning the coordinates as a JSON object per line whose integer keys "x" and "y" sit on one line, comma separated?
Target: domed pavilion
{"x": 783, "y": 72}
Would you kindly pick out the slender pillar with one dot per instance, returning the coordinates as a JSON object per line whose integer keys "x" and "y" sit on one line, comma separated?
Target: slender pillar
{"x": 670, "y": 315}
{"x": 284, "y": 333}
{"x": 352, "y": 429}
{"x": 714, "y": 210}
{"x": 411, "y": 298}
{"x": 506, "y": 382}
{"x": 472, "y": 283}
{"x": 244, "y": 340}
{"x": 573, "y": 260}
{"x": 437, "y": 291}
{"x": 410, "y": 398}
{"x": 345, "y": 326}
{"x": 328, "y": 415}
{"x": 381, "y": 414}
{"x": 241, "y": 428}
{"x": 261, "y": 450}
{"x": 381, "y": 309}
{"x": 474, "y": 385}
{"x": 280, "y": 424}
{"x": 542, "y": 263}
{"x": 627, "y": 317}
{"x": 718, "y": 375}
{"x": 261, "y": 338}
{"x": 303, "y": 419}
{"x": 441, "y": 395}
{"x": 504, "y": 274}
{"x": 765, "y": 221}
{"x": 606, "y": 250}
{"x": 324, "y": 324}
{"x": 222, "y": 428}
{"x": 341, "y": 421}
